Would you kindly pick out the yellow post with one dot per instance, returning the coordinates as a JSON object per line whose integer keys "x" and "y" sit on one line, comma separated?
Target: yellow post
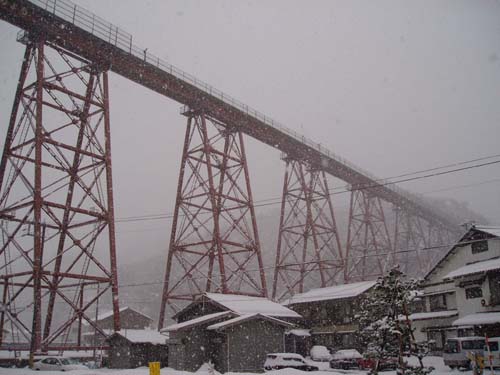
{"x": 154, "y": 368}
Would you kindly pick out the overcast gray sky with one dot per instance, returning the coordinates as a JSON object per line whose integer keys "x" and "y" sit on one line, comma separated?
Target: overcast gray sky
{"x": 393, "y": 86}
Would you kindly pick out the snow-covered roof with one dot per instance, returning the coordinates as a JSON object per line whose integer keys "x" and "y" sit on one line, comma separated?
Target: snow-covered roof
{"x": 332, "y": 292}
{"x": 197, "y": 321}
{"x": 143, "y": 335}
{"x": 494, "y": 231}
{"x": 244, "y": 318}
{"x": 478, "y": 319}
{"x": 436, "y": 292}
{"x": 244, "y": 305}
{"x": 433, "y": 315}
{"x": 107, "y": 314}
{"x": 478, "y": 267}
{"x": 299, "y": 332}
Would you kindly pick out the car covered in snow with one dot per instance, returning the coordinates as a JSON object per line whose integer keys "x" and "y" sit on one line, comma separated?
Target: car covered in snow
{"x": 346, "y": 359}
{"x": 389, "y": 363}
{"x": 320, "y": 353}
{"x": 57, "y": 364}
{"x": 277, "y": 361}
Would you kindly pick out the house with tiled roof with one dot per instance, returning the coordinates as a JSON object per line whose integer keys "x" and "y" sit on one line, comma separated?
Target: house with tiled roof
{"x": 461, "y": 294}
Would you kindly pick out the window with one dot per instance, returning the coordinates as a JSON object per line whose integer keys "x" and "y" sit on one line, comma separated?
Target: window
{"x": 346, "y": 313}
{"x": 479, "y": 247}
{"x": 438, "y": 337}
{"x": 493, "y": 346}
{"x": 348, "y": 340}
{"x": 438, "y": 302}
{"x": 494, "y": 280}
{"x": 451, "y": 346}
{"x": 475, "y": 292}
{"x": 473, "y": 344}
{"x": 417, "y": 306}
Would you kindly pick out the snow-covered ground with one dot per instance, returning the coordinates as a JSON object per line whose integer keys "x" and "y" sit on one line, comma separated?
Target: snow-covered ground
{"x": 436, "y": 362}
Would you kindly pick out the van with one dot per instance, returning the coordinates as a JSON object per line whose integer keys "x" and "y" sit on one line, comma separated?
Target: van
{"x": 457, "y": 350}
{"x": 492, "y": 357}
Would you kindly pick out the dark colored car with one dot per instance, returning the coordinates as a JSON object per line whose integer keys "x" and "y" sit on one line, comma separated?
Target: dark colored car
{"x": 277, "y": 361}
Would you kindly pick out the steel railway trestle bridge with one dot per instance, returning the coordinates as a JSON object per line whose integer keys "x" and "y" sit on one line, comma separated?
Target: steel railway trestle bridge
{"x": 58, "y": 246}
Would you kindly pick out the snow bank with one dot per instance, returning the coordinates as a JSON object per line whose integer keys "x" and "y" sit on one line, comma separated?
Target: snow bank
{"x": 436, "y": 362}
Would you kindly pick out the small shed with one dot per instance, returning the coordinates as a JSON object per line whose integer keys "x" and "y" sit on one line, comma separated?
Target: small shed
{"x": 133, "y": 348}
{"x": 234, "y": 332}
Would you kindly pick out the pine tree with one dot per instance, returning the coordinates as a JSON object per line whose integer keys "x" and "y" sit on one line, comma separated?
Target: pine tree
{"x": 384, "y": 325}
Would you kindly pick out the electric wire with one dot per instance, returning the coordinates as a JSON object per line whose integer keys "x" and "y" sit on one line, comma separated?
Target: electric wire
{"x": 271, "y": 268}
{"x": 277, "y": 200}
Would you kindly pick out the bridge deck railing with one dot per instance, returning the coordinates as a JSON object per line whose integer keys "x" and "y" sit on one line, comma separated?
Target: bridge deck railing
{"x": 95, "y": 25}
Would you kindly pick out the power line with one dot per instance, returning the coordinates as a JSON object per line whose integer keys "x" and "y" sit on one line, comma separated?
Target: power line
{"x": 342, "y": 207}
{"x": 271, "y": 268}
{"x": 277, "y": 200}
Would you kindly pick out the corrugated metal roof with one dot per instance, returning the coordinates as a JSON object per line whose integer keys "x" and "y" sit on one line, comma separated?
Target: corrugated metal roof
{"x": 197, "y": 321}
{"x": 478, "y": 319}
{"x": 479, "y": 267}
{"x": 433, "y": 315}
{"x": 243, "y": 305}
{"x": 244, "y": 318}
{"x": 332, "y": 293}
{"x": 494, "y": 231}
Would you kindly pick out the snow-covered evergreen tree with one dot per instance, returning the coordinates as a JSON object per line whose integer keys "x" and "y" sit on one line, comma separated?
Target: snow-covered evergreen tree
{"x": 384, "y": 327}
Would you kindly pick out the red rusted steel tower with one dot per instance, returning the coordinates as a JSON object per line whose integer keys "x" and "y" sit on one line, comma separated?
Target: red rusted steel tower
{"x": 309, "y": 252}
{"x": 56, "y": 202}
{"x": 369, "y": 249}
{"x": 214, "y": 243}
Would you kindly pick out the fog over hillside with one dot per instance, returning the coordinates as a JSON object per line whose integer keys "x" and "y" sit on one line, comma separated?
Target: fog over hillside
{"x": 141, "y": 281}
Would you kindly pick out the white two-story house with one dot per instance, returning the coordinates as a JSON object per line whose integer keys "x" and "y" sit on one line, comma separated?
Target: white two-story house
{"x": 461, "y": 294}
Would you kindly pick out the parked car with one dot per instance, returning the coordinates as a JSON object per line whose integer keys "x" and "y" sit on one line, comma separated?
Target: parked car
{"x": 458, "y": 350}
{"x": 276, "y": 361}
{"x": 346, "y": 359}
{"x": 57, "y": 364}
{"x": 320, "y": 353}
{"x": 390, "y": 363}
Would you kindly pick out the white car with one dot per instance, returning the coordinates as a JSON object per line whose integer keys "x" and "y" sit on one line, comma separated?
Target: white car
{"x": 57, "y": 364}
{"x": 277, "y": 361}
{"x": 320, "y": 353}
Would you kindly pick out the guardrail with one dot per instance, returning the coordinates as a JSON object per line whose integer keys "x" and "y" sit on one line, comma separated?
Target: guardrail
{"x": 95, "y": 25}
